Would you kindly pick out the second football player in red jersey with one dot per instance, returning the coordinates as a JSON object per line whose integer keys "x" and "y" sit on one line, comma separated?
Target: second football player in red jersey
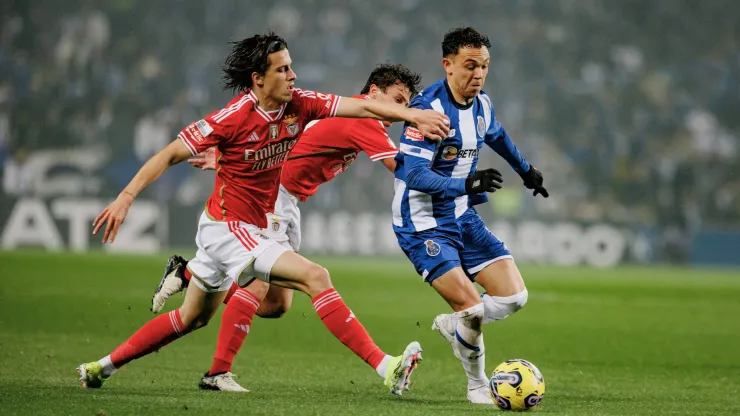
{"x": 326, "y": 149}
{"x": 254, "y": 142}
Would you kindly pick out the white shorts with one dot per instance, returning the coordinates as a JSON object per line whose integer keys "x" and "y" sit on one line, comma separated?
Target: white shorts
{"x": 231, "y": 251}
{"x": 284, "y": 225}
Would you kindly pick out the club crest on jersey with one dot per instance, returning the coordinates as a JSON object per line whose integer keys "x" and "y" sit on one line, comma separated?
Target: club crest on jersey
{"x": 275, "y": 225}
{"x": 433, "y": 248}
{"x": 291, "y": 124}
{"x": 273, "y": 131}
{"x": 481, "y": 126}
{"x": 449, "y": 153}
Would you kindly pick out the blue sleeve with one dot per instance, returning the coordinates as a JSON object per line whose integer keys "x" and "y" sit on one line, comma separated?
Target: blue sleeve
{"x": 421, "y": 178}
{"x": 498, "y": 140}
{"x": 418, "y": 156}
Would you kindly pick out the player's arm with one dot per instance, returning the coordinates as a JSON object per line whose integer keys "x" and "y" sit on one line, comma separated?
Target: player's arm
{"x": 116, "y": 212}
{"x": 432, "y": 124}
{"x": 192, "y": 140}
{"x": 389, "y": 163}
{"x": 498, "y": 139}
{"x": 418, "y": 155}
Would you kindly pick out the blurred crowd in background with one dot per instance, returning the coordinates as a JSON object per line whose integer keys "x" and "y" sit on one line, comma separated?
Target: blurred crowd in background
{"x": 630, "y": 108}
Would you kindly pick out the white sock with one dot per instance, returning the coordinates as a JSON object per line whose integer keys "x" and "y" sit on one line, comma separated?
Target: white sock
{"x": 382, "y": 368}
{"x": 498, "y": 308}
{"x": 108, "y": 368}
{"x": 469, "y": 345}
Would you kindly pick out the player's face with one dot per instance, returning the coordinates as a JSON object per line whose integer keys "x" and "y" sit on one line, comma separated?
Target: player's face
{"x": 467, "y": 71}
{"x": 279, "y": 78}
{"x": 396, "y": 93}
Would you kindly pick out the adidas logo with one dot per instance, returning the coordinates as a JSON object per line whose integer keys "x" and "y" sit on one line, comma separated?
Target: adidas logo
{"x": 351, "y": 316}
{"x": 244, "y": 328}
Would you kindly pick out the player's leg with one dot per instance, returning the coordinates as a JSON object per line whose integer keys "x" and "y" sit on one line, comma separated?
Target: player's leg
{"x": 487, "y": 260}
{"x": 276, "y": 302}
{"x": 293, "y": 271}
{"x": 435, "y": 254}
{"x": 195, "y": 312}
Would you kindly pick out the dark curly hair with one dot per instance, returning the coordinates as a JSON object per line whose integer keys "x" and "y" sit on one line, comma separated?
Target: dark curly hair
{"x": 385, "y": 75}
{"x": 248, "y": 56}
{"x": 463, "y": 37}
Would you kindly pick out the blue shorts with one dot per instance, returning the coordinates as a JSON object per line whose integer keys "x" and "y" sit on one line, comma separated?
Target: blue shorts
{"x": 467, "y": 243}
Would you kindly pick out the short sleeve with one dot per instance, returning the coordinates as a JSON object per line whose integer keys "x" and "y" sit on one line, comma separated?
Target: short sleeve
{"x": 216, "y": 128}
{"x": 372, "y": 138}
{"x": 316, "y": 105}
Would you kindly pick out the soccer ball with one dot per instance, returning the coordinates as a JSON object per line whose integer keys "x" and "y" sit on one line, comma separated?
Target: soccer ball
{"x": 517, "y": 385}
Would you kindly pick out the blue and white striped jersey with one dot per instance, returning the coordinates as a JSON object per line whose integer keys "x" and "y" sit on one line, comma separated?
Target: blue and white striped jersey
{"x": 430, "y": 176}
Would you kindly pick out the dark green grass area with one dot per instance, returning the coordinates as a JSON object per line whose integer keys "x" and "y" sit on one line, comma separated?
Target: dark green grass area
{"x": 630, "y": 341}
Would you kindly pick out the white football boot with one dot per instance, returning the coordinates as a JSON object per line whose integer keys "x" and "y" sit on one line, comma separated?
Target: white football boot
{"x": 445, "y": 325}
{"x": 221, "y": 382}
{"x": 481, "y": 395}
{"x": 172, "y": 282}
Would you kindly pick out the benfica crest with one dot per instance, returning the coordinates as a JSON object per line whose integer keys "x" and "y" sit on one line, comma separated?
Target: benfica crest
{"x": 291, "y": 121}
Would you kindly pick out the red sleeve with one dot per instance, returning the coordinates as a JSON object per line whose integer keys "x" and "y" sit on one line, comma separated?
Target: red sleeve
{"x": 218, "y": 127}
{"x": 316, "y": 105}
{"x": 372, "y": 138}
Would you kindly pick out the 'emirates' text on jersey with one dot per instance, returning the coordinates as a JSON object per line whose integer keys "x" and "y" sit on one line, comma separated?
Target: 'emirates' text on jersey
{"x": 253, "y": 145}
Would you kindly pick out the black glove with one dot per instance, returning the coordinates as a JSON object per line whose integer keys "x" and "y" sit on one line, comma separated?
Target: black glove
{"x": 533, "y": 180}
{"x": 487, "y": 180}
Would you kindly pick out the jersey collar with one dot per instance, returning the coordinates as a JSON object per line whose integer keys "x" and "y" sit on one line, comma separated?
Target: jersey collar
{"x": 454, "y": 102}
{"x": 267, "y": 116}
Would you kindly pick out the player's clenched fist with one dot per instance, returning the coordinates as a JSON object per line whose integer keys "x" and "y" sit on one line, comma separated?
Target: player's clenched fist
{"x": 486, "y": 180}
{"x": 432, "y": 124}
{"x": 113, "y": 215}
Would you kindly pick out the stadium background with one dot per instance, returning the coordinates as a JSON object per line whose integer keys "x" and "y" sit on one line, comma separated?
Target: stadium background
{"x": 630, "y": 108}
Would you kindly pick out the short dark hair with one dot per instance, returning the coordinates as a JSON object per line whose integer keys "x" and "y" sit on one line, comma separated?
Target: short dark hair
{"x": 248, "y": 56}
{"x": 386, "y": 75}
{"x": 463, "y": 37}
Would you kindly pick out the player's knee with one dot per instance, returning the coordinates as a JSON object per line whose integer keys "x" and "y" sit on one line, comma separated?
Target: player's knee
{"x": 192, "y": 321}
{"x": 317, "y": 279}
{"x": 273, "y": 310}
{"x": 498, "y": 308}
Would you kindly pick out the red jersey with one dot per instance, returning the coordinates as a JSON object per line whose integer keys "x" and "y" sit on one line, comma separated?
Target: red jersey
{"x": 328, "y": 147}
{"x": 253, "y": 146}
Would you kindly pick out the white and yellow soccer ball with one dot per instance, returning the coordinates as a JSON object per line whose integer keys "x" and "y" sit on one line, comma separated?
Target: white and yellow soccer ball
{"x": 517, "y": 385}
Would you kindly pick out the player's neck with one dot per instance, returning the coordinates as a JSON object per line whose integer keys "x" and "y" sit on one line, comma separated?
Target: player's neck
{"x": 264, "y": 101}
{"x": 458, "y": 96}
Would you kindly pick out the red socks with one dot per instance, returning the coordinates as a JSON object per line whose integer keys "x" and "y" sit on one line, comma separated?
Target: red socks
{"x": 346, "y": 327}
{"x": 154, "y": 335}
{"x": 235, "y": 324}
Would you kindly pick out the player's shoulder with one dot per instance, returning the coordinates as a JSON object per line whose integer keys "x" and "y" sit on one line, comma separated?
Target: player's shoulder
{"x": 486, "y": 101}
{"x": 430, "y": 94}
{"x": 236, "y": 110}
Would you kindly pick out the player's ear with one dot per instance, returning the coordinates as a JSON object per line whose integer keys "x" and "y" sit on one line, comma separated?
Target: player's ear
{"x": 373, "y": 92}
{"x": 447, "y": 64}
{"x": 258, "y": 79}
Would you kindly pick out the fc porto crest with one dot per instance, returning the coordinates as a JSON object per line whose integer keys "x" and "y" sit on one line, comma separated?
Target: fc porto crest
{"x": 481, "y": 126}
{"x": 291, "y": 122}
{"x": 275, "y": 225}
{"x": 433, "y": 248}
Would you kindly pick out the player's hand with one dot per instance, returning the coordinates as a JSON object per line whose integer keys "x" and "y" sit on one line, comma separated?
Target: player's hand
{"x": 486, "y": 180}
{"x": 533, "y": 180}
{"x": 114, "y": 215}
{"x": 205, "y": 160}
{"x": 432, "y": 124}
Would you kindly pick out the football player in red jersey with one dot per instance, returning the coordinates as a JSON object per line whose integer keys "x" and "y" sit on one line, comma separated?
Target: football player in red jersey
{"x": 253, "y": 142}
{"x": 326, "y": 148}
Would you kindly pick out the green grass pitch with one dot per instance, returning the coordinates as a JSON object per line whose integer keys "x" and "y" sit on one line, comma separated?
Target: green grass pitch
{"x": 630, "y": 341}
